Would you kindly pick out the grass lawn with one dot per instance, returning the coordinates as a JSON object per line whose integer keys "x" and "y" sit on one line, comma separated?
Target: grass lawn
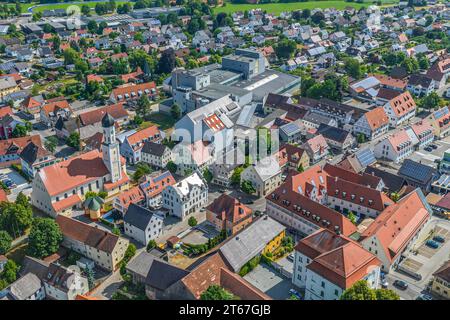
{"x": 277, "y": 8}
{"x": 162, "y": 120}
{"x": 65, "y": 5}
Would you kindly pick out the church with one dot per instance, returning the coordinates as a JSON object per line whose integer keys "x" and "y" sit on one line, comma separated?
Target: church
{"x": 61, "y": 187}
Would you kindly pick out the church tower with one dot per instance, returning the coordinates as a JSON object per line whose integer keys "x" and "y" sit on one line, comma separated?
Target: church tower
{"x": 110, "y": 148}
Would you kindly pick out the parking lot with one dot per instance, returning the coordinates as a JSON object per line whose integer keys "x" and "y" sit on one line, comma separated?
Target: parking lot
{"x": 270, "y": 282}
{"x": 431, "y": 158}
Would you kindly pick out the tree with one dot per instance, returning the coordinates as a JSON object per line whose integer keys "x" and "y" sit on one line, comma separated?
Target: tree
{"x": 73, "y": 140}
{"x": 90, "y": 194}
{"x": 361, "y": 138}
{"x": 317, "y": 17}
{"x": 51, "y": 143}
{"x": 175, "y": 111}
{"x": 424, "y": 63}
{"x": 430, "y": 101}
{"x": 359, "y": 291}
{"x": 167, "y": 62}
{"x": 15, "y": 218}
{"x": 395, "y": 196}
{"x": 248, "y": 187}
{"x": 70, "y": 56}
{"x": 216, "y": 292}
{"x": 306, "y": 13}
{"x": 10, "y": 270}
{"x": 353, "y": 68}
{"x": 192, "y": 222}
{"x": 92, "y": 26}
{"x": 171, "y": 166}
{"x": 352, "y": 217}
{"x": 386, "y": 294}
{"x": 5, "y": 242}
{"x": 143, "y": 106}
{"x": 151, "y": 245}
{"x": 19, "y": 131}
{"x": 141, "y": 170}
{"x": 85, "y": 10}
{"x": 411, "y": 65}
{"x": 207, "y": 175}
{"x": 45, "y": 238}
{"x": 236, "y": 176}
{"x": 285, "y": 49}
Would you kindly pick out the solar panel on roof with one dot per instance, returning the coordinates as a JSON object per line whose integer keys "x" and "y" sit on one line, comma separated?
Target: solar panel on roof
{"x": 440, "y": 113}
{"x": 162, "y": 176}
{"x": 416, "y": 171}
{"x": 365, "y": 157}
{"x": 290, "y": 128}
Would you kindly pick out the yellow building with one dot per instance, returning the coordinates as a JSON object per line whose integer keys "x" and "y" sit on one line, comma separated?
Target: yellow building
{"x": 7, "y": 86}
{"x": 441, "y": 281}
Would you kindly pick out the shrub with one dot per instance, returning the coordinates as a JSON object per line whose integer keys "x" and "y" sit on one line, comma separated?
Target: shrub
{"x": 192, "y": 222}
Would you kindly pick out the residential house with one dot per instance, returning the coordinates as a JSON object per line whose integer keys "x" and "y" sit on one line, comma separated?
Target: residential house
{"x": 10, "y": 149}
{"x": 290, "y": 133}
{"x": 296, "y": 156}
{"x": 265, "y": 175}
{"x": 422, "y": 131}
{"x": 62, "y": 283}
{"x": 418, "y": 175}
{"x": 372, "y": 124}
{"x": 51, "y": 111}
{"x": 131, "y": 146}
{"x": 156, "y": 154}
{"x": 186, "y": 196}
{"x": 395, "y": 230}
{"x": 34, "y": 157}
{"x": 420, "y": 85}
{"x": 229, "y": 214}
{"x": 124, "y": 199}
{"x": 396, "y": 147}
{"x": 400, "y": 109}
{"x": 440, "y": 71}
{"x": 7, "y": 86}
{"x": 336, "y": 138}
{"x": 328, "y": 263}
{"x": 104, "y": 248}
{"x": 141, "y": 224}
{"x": 317, "y": 148}
{"x": 153, "y": 186}
{"x": 441, "y": 281}
{"x": 129, "y": 92}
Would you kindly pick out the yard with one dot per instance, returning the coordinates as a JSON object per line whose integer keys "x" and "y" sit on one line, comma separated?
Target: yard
{"x": 162, "y": 120}
{"x": 277, "y": 8}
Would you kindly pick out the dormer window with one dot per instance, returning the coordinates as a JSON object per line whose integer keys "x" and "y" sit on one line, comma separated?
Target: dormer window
{"x": 344, "y": 194}
{"x": 361, "y": 199}
{"x": 353, "y": 196}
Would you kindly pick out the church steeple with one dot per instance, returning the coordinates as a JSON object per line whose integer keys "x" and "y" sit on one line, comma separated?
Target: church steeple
{"x": 110, "y": 148}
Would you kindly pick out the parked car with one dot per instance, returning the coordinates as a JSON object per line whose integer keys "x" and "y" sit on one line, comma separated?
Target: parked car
{"x": 432, "y": 244}
{"x": 384, "y": 283}
{"x": 295, "y": 293}
{"x": 428, "y": 149}
{"x": 439, "y": 239}
{"x": 249, "y": 202}
{"x": 424, "y": 296}
{"x": 400, "y": 284}
{"x": 290, "y": 257}
{"x": 433, "y": 146}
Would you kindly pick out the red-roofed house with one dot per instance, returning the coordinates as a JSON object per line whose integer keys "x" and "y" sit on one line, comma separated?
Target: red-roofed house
{"x": 395, "y": 147}
{"x": 124, "y": 199}
{"x": 32, "y": 105}
{"x": 396, "y": 228}
{"x": 317, "y": 148}
{"x": 327, "y": 263}
{"x": 132, "y": 145}
{"x": 372, "y": 124}
{"x": 51, "y": 111}
{"x": 423, "y": 131}
{"x": 400, "y": 109}
{"x": 133, "y": 91}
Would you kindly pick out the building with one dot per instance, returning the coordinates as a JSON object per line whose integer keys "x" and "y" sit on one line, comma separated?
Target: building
{"x": 186, "y": 196}
{"x": 28, "y": 287}
{"x": 400, "y": 109}
{"x": 156, "y": 154}
{"x": 372, "y": 124}
{"x": 154, "y": 185}
{"x": 296, "y": 156}
{"x": 396, "y": 228}
{"x": 59, "y": 188}
{"x": 441, "y": 281}
{"x": 291, "y": 133}
{"x": 141, "y": 224}
{"x": 396, "y": 147}
{"x": 265, "y": 175}
{"x": 420, "y": 85}
{"x": 52, "y": 111}
{"x": 34, "y": 157}
{"x": 117, "y": 111}
{"x": 326, "y": 264}
{"x": 129, "y": 92}
{"x": 124, "y": 199}
{"x": 104, "y": 248}
{"x": 440, "y": 71}
{"x": 418, "y": 175}
{"x": 422, "y": 131}
{"x": 62, "y": 283}
{"x": 7, "y": 86}
{"x": 262, "y": 236}
{"x": 10, "y": 149}
{"x": 317, "y": 148}
{"x": 336, "y": 138}
{"x": 132, "y": 144}
{"x": 229, "y": 214}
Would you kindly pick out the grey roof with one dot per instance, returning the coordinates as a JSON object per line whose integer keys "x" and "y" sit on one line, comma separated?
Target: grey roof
{"x": 416, "y": 171}
{"x": 156, "y": 149}
{"x": 332, "y": 133}
{"x": 25, "y": 287}
{"x": 138, "y": 216}
{"x": 290, "y": 128}
{"x": 141, "y": 263}
{"x": 162, "y": 275}
{"x": 392, "y": 181}
{"x": 36, "y": 266}
{"x": 250, "y": 242}
{"x": 107, "y": 121}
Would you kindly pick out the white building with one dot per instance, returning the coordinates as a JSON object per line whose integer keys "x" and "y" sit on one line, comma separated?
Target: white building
{"x": 265, "y": 175}
{"x": 186, "y": 196}
{"x": 141, "y": 224}
{"x": 395, "y": 147}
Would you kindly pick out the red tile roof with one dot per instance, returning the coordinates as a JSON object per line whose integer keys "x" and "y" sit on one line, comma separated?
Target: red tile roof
{"x": 227, "y": 208}
{"x": 377, "y": 118}
{"x": 16, "y": 145}
{"x": 155, "y": 184}
{"x": 398, "y": 224}
{"x": 402, "y": 104}
{"x": 133, "y": 90}
{"x": 117, "y": 111}
{"x": 55, "y": 106}
{"x": 214, "y": 123}
{"x": 151, "y": 133}
{"x": 134, "y": 195}
{"x": 66, "y": 202}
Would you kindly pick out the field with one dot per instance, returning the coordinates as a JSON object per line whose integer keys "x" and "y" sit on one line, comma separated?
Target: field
{"x": 277, "y": 8}
{"x": 43, "y": 7}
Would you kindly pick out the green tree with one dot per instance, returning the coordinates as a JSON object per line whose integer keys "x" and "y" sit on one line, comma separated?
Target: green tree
{"x": 167, "y": 61}
{"x": 207, "y": 174}
{"x": 45, "y": 238}
{"x": 19, "y": 131}
{"x": 175, "y": 111}
{"x": 74, "y": 140}
{"x": 386, "y": 294}
{"x": 85, "y": 10}
{"x": 361, "y": 138}
{"x": 353, "y": 68}
{"x": 359, "y": 291}
{"x": 285, "y": 49}
{"x": 10, "y": 270}
{"x": 352, "y": 217}
{"x": 248, "y": 187}
{"x": 15, "y": 218}
{"x": 236, "y": 176}
{"x": 23, "y": 200}
{"x": 216, "y": 292}
{"x": 430, "y": 101}
{"x": 171, "y": 166}
{"x": 300, "y": 168}
{"x": 142, "y": 169}
{"x": 143, "y": 106}
{"x": 192, "y": 222}
{"x": 395, "y": 196}
{"x": 90, "y": 194}
{"x": 151, "y": 245}
{"x": 92, "y": 26}
{"x": 70, "y": 56}
{"x": 5, "y": 242}
{"x": 51, "y": 143}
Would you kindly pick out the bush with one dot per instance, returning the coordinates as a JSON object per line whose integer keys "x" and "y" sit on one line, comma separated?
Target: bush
{"x": 5, "y": 242}
{"x": 192, "y": 222}
{"x": 151, "y": 245}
